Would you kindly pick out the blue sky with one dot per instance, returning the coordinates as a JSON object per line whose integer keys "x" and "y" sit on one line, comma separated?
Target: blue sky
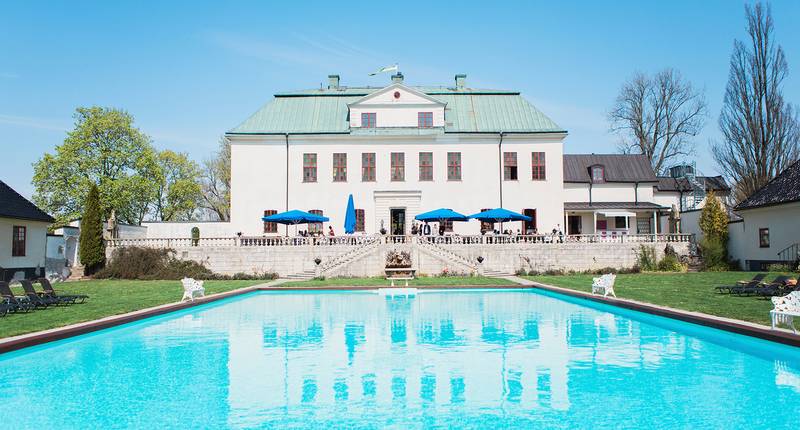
{"x": 189, "y": 71}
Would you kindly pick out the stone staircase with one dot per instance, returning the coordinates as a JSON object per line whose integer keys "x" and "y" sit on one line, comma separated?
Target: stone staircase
{"x": 447, "y": 255}
{"x": 305, "y": 275}
{"x": 490, "y": 273}
{"x": 337, "y": 262}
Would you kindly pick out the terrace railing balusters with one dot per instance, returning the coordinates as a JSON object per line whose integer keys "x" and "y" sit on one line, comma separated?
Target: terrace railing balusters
{"x": 466, "y": 240}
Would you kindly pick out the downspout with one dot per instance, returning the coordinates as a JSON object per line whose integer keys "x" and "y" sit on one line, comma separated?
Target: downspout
{"x": 636, "y": 194}
{"x": 500, "y": 163}
{"x": 286, "y": 135}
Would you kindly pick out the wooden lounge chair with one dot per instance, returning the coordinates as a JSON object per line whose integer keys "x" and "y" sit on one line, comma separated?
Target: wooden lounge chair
{"x": 749, "y": 286}
{"x": 34, "y": 297}
{"x": 64, "y": 298}
{"x": 14, "y": 304}
{"x": 774, "y": 288}
{"x": 728, "y": 288}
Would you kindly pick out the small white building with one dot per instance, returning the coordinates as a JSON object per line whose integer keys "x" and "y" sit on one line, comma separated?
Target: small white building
{"x": 23, "y": 236}
{"x": 769, "y": 229}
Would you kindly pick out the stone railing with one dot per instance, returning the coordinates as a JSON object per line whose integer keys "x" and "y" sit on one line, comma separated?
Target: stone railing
{"x": 551, "y": 238}
{"x": 269, "y": 241}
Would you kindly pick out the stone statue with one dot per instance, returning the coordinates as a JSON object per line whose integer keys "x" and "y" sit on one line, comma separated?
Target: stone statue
{"x": 113, "y": 231}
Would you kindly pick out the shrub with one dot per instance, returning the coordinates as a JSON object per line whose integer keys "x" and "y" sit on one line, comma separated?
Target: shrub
{"x": 784, "y": 268}
{"x": 714, "y": 219}
{"x": 554, "y": 272}
{"x": 670, "y": 263}
{"x": 134, "y": 262}
{"x": 646, "y": 258}
{"x": 91, "y": 247}
{"x": 714, "y": 253}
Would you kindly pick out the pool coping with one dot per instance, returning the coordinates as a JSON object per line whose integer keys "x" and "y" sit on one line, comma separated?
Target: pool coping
{"x": 732, "y": 325}
{"x": 727, "y": 324}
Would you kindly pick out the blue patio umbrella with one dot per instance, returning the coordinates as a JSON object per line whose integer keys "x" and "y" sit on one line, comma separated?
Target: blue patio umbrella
{"x": 441, "y": 215}
{"x": 350, "y": 217}
{"x": 500, "y": 215}
{"x": 295, "y": 217}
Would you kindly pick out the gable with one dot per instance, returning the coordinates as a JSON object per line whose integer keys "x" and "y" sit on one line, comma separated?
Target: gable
{"x": 396, "y": 94}
{"x": 397, "y": 106}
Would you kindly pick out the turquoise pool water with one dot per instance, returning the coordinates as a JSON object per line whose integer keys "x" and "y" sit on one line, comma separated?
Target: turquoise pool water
{"x": 468, "y": 359}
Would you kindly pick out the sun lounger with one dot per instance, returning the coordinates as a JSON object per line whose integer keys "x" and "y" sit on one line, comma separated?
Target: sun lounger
{"x": 14, "y": 304}
{"x": 774, "y": 288}
{"x": 747, "y": 287}
{"x": 741, "y": 284}
{"x": 34, "y": 297}
{"x": 4, "y": 308}
{"x": 64, "y": 298}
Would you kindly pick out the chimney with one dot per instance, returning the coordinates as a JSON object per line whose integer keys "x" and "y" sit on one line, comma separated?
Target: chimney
{"x": 461, "y": 79}
{"x": 333, "y": 82}
{"x": 397, "y": 78}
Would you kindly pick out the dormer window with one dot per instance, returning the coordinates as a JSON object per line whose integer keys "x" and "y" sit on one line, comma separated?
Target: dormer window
{"x": 598, "y": 174}
{"x": 368, "y": 120}
{"x": 425, "y": 119}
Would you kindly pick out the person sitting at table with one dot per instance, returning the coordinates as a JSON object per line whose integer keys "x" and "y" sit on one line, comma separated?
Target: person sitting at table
{"x": 414, "y": 229}
{"x": 330, "y": 231}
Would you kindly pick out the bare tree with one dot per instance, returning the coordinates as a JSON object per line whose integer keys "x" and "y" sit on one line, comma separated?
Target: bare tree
{"x": 657, "y": 116}
{"x": 216, "y": 183}
{"x": 760, "y": 130}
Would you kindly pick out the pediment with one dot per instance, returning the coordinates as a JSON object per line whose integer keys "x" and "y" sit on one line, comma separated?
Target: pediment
{"x": 396, "y": 94}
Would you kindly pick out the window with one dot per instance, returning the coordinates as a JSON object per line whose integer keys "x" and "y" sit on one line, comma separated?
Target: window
{"x": 359, "y": 219}
{"x": 538, "y": 171}
{"x": 426, "y": 166}
{"x": 620, "y": 222}
{"x": 425, "y": 119}
{"x": 368, "y": 167}
{"x": 598, "y": 174}
{"x": 18, "y": 241}
{"x": 453, "y": 166}
{"x": 763, "y": 238}
{"x": 510, "y": 166}
{"x": 398, "y": 166}
{"x": 270, "y": 227}
{"x": 368, "y": 120}
{"x": 315, "y": 227}
{"x": 309, "y": 167}
{"x": 339, "y": 167}
{"x": 486, "y": 226}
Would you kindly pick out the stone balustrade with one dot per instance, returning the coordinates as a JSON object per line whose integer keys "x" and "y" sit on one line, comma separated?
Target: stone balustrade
{"x": 489, "y": 239}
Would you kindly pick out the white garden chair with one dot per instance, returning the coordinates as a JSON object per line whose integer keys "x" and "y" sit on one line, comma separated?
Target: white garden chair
{"x": 786, "y": 308}
{"x": 192, "y": 289}
{"x": 604, "y": 285}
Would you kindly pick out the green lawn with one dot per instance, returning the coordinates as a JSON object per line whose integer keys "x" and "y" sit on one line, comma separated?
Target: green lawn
{"x": 382, "y": 282}
{"x": 107, "y": 297}
{"x": 688, "y": 291}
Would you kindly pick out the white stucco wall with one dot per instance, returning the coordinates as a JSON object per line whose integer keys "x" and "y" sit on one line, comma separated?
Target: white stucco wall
{"x": 35, "y": 243}
{"x": 163, "y": 230}
{"x": 259, "y": 179}
{"x": 783, "y": 222}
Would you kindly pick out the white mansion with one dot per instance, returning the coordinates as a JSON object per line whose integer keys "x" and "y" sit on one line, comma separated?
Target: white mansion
{"x": 403, "y": 150}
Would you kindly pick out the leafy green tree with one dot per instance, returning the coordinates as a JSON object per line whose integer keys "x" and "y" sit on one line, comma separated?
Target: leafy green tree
{"x": 106, "y": 150}
{"x": 91, "y": 246}
{"x": 714, "y": 219}
{"x": 178, "y": 192}
{"x": 216, "y": 177}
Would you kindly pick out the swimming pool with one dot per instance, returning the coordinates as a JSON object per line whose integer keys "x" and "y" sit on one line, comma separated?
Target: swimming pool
{"x": 463, "y": 358}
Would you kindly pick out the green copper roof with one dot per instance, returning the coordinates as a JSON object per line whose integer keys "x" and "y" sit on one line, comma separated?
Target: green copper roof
{"x": 468, "y": 110}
